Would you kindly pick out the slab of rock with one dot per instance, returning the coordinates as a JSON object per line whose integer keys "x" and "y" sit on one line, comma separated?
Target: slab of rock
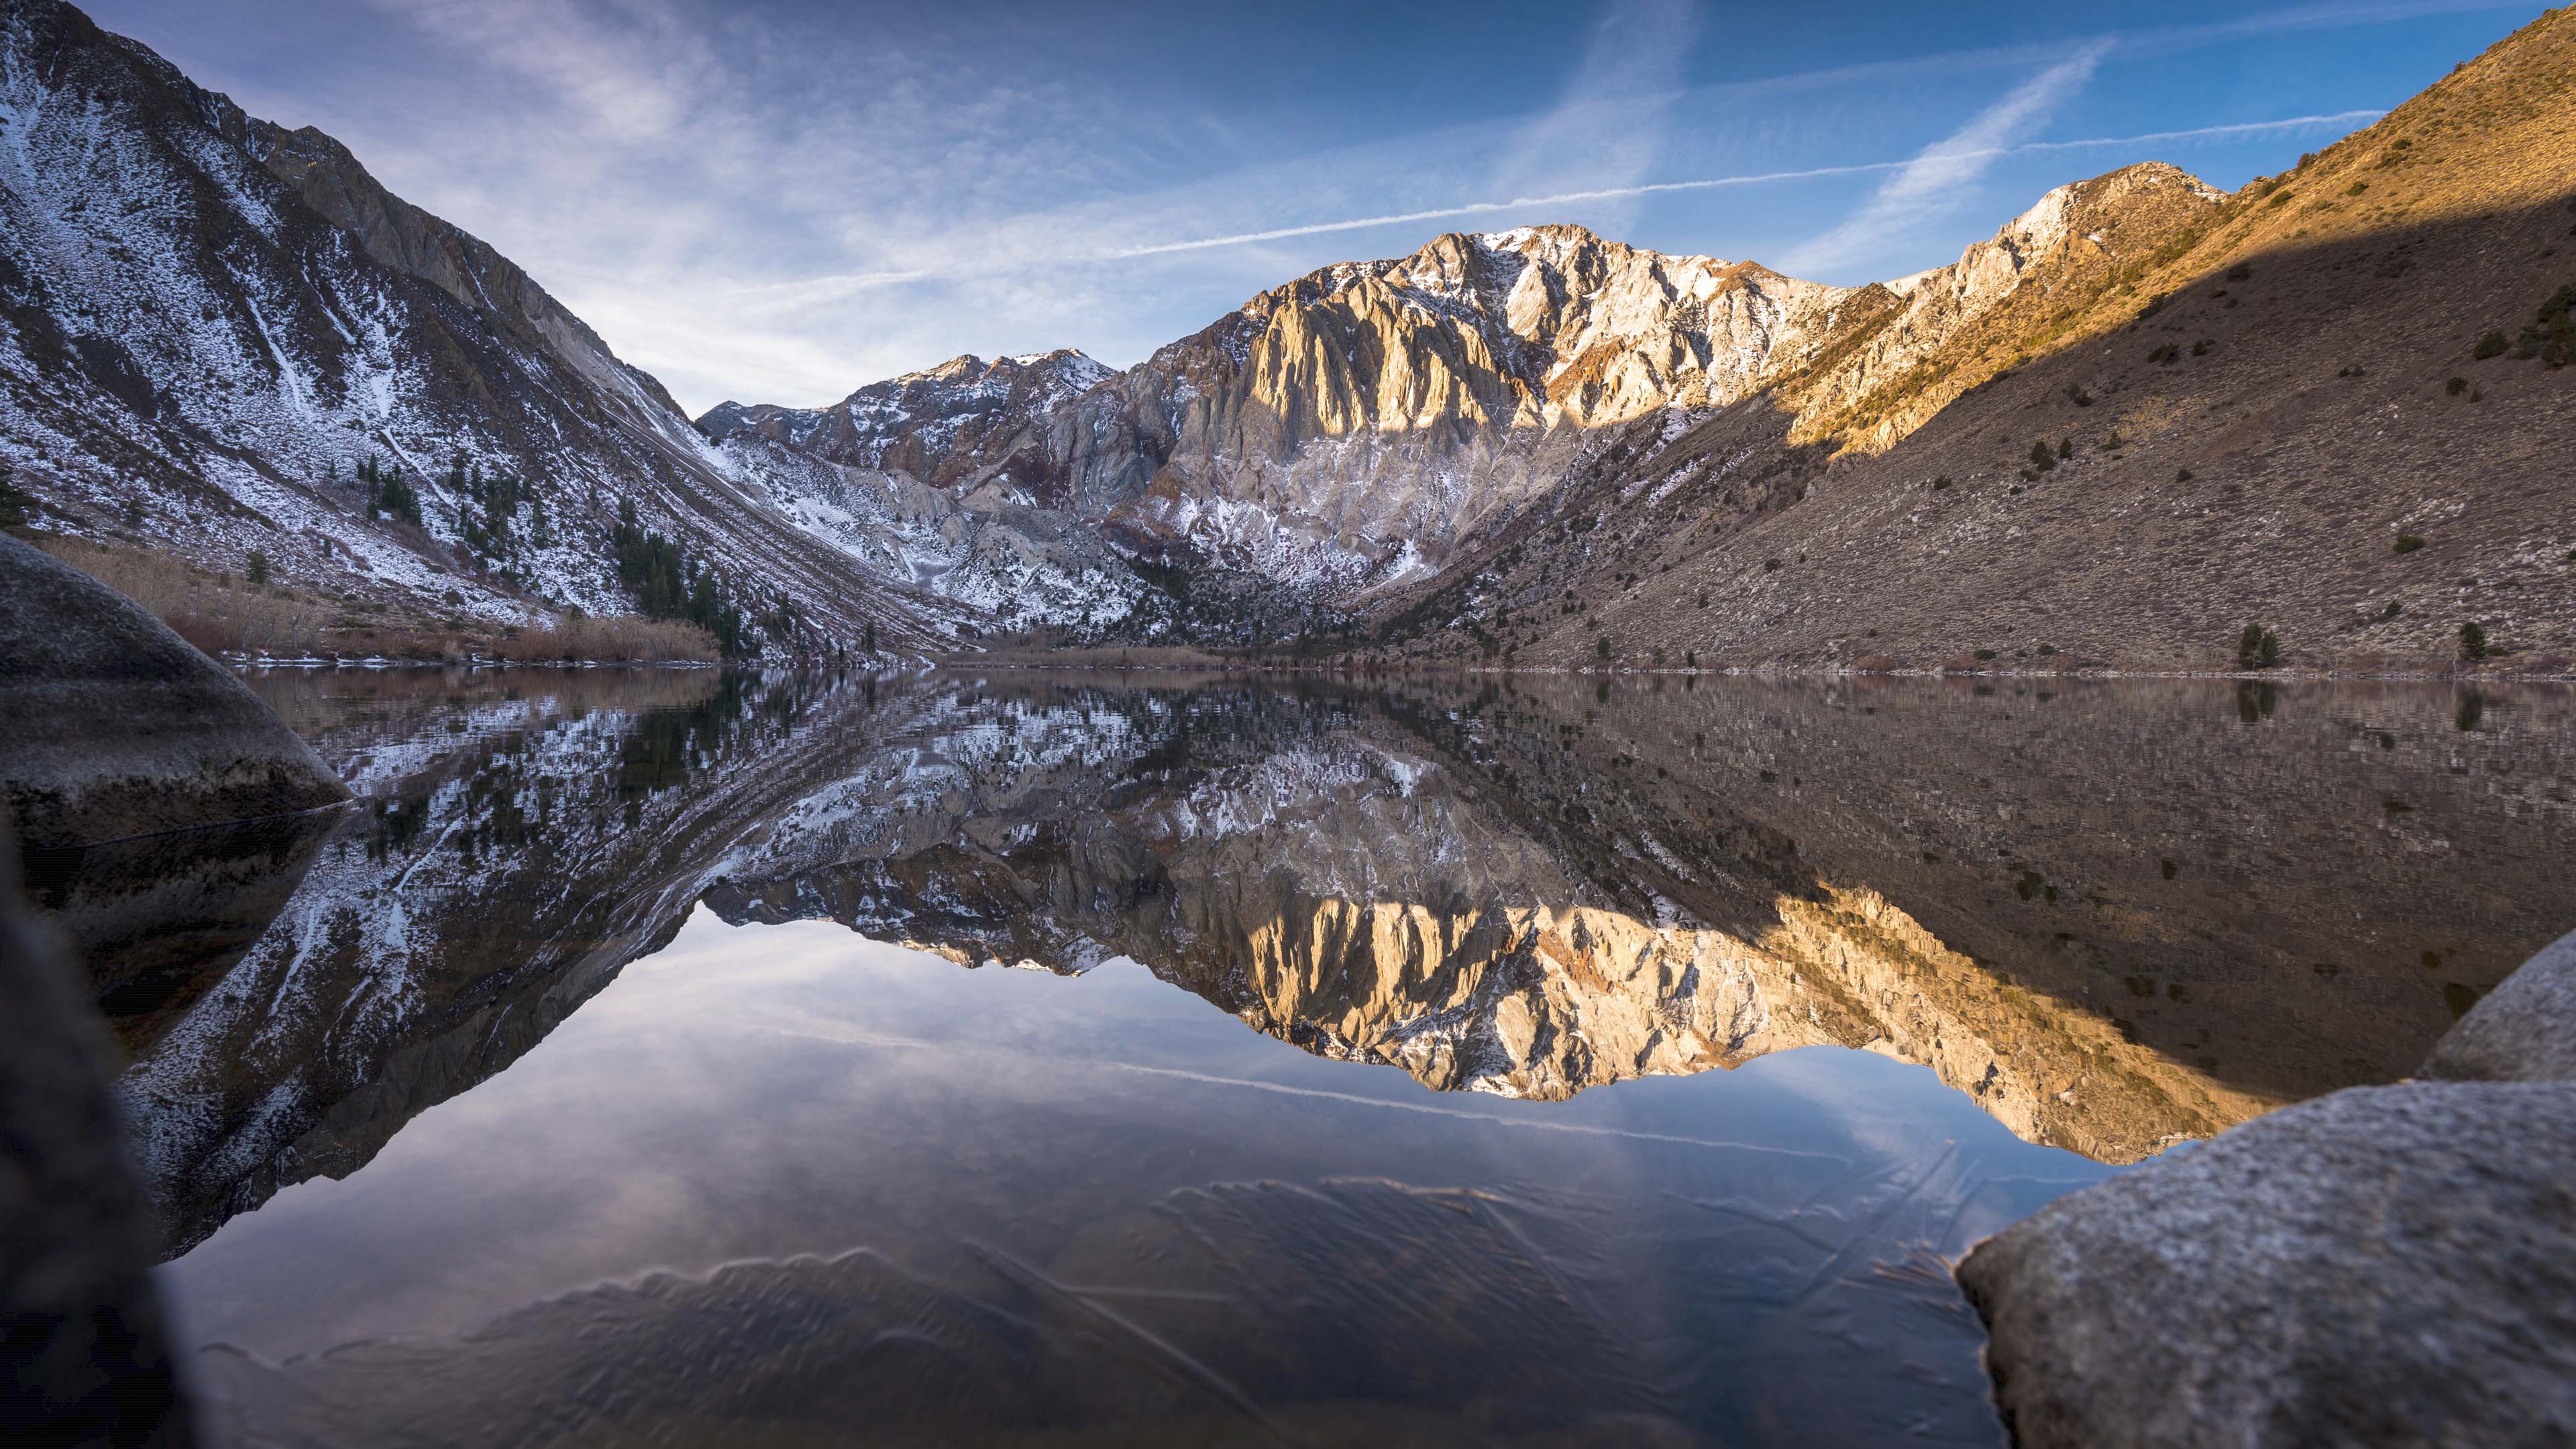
{"x": 2383, "y": 1266}
{"x": 2524, "y": 1031}
{"x": 112, "y": 726}
{"x": 86, "y": 1361}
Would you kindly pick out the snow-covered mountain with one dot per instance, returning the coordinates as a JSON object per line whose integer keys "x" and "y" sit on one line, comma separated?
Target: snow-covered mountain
{"x": 965, "y": 425}
{"x": 1343, "y": 435}
{"x": 225, "y": 338}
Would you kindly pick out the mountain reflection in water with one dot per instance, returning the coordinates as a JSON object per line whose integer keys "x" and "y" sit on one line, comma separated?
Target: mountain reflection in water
{"x": 2110, "y": 915}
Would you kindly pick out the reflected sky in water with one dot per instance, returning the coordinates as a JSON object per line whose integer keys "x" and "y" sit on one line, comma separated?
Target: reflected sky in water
{"x": 1105, "y": 1178}
{"x": 1539, "y": 1061}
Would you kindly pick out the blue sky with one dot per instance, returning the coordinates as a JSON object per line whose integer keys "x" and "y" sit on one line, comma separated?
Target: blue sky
{"x": 780, "y": 200}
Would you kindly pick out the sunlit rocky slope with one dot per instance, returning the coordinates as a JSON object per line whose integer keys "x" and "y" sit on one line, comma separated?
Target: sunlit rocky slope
{"x": 2335, "y": 404}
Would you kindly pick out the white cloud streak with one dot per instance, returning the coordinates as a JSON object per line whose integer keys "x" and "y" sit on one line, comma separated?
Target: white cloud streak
{"x": 1949, "y": 156}
{"x": 1610, "y": 122}
{"x": 625, "y": 67}
{"x": 1937, "y": 181}
{"x": 708, "y": 187}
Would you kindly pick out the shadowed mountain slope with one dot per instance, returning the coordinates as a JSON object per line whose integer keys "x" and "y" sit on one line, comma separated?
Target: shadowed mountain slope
{"x": 2335, "y": 405}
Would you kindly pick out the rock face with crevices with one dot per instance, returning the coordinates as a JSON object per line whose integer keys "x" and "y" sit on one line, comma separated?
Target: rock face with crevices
{"x": 112, "y": 726}
{"x": 2383, "y": 1266}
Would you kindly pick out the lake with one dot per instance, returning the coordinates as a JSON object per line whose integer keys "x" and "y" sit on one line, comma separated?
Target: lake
{"x": 684, "y": 1057}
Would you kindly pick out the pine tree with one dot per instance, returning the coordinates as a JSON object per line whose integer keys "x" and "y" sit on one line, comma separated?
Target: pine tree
{"x": 393, "y": 494}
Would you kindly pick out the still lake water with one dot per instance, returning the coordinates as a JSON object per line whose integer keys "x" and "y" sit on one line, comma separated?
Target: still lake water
{"x": 685, "y": 1058}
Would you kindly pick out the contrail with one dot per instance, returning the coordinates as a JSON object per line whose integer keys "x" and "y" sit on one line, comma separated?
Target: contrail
{"x": 1936, "y": 180}
{"x": 1471, "y": 208}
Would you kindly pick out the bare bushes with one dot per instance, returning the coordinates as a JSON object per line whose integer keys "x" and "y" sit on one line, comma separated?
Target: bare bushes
{"x": 216, "y": 612}
{"x": 616, "y": 640}
{"x": 227, "y": 614}
{"x": 609, "y": 641}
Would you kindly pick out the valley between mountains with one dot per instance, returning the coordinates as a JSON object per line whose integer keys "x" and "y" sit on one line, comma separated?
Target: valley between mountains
{"x": 2334, "y": 405}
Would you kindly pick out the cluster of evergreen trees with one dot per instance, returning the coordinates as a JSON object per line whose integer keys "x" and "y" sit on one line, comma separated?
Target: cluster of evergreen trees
{"x": 668, "y": 584}
{"x": 490, "y": 527}
{"x": 388, "y": 493}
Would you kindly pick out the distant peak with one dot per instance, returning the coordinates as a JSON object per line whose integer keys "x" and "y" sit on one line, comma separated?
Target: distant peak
{"x": 1521, "y": 238}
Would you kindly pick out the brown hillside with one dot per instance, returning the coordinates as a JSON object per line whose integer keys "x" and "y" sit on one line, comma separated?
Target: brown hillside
{"x": 2253, "y": 408}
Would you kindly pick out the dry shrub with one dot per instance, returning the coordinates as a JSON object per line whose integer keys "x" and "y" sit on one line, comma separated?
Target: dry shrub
{"x": 618, "y": 639}
{"x": 217, "y": 613}
{"x": 1877, "y": 663}
{"x": 418, "y": 645}
{"x": 1105, "y": 656}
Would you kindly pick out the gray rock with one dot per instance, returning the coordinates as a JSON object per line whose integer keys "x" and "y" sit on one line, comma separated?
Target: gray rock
{"x": 2383, "y": 1266}
{"x": 112, "y": 726}
{"x": 2524, "y": 1031}
{"x": 85, "y": 1359}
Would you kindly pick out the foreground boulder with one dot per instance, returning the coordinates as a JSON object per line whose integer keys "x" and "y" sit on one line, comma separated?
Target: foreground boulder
{"x": 2382, "y": 1266}
{"x": 86, "y": 1360}
{"x": 2525, "y": 1030}
{"x": 112, "y": 726}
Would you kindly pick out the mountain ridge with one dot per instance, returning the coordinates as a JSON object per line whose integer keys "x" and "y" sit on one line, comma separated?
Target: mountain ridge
{"x": 1416, "y": 457}
{"x": 1341, "y": 431}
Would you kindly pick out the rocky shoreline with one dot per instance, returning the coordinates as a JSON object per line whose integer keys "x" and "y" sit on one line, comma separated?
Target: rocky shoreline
{"x": 2381, "y": 1266}
{"x": 112, "y": 726}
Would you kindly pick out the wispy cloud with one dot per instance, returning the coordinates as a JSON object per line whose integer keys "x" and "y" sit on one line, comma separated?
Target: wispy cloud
{"x": 780, "y": 200}
{"x": 624, "y": 67}
{"x": 1609, "y": 124}
{"x": 1913, "y": 166}
{"x": 1937, "y": 181}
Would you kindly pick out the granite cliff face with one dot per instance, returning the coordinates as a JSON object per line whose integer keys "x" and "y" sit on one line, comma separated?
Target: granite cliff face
{"x": 1346, "y": 433}
{"x": 1344, "y": 430}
